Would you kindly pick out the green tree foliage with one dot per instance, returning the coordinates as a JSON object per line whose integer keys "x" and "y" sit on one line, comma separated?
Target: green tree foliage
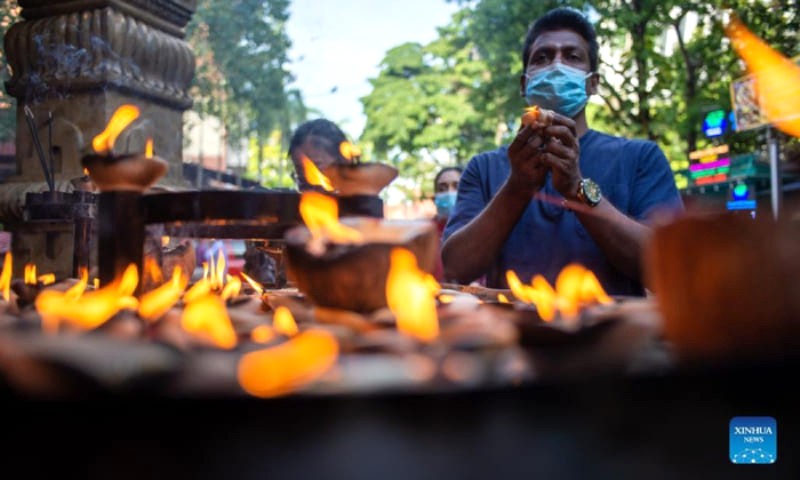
{"x": 242, "y": 76}
{"x": 420, "y": 113}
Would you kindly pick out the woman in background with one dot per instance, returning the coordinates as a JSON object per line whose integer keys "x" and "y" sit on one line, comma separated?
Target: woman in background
{"x": 445, "y": 188}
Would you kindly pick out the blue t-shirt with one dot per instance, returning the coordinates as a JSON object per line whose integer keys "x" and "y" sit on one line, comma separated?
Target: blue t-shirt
{"x": 633, "y": 175}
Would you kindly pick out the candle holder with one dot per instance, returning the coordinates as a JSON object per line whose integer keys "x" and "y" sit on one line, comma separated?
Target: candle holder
{"x": 353, "y": 276}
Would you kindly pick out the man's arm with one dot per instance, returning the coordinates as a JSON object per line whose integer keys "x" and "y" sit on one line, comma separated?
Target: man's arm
{"x": 469, "y": 252}
{"x": 620, "y": 237}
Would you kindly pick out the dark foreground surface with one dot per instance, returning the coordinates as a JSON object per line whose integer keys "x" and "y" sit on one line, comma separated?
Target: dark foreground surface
{"x": 645, "y": 428}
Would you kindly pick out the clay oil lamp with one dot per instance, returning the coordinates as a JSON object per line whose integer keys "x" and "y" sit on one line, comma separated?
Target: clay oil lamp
{"x": 549, "y": 314}
{"x": 344, "y": 264}
{"x": 111, "y": 171}
{"x": 356, "y": 177}
{"x": 726, "y": 286}
{"x": 352, "y": 177}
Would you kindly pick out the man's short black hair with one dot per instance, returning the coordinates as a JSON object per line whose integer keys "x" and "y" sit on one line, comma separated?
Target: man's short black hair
{"x": 320, "y": 129}
{"x": 559, "y": 19}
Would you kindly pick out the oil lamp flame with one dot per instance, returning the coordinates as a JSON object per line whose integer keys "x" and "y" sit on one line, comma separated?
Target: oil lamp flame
{"x": 283, "y": 322}
{"x": 575, "y": 287}
{"x": 777, "y": 79}
{"x": 148, "y": 148}
{"x": 88, "y": 311}
{"x": 30, "y": 274}
{"x": 201, "y": 288}
{"x": 5, "y": 277}
{"x": 104, "y": 142}
{"x": 232, "y": 287}
{"x": 207, "y": 318}
{"x": 155, "y": 303}
{"x": 152, "y": 271}
{"x": 314, "y": 176}
{"x": 349, "y": 151}
{"x": 411, "y": 296}
{"x": 256, "y": 286}
{"x": 285, "y": 368}
{"x": 321, "y": 215}
{"x": 262, "y": 334}
{"x": 214, "y": 272}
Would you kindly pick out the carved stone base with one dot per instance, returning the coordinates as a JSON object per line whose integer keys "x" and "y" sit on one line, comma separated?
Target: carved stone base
{"x": 80, "y": 60}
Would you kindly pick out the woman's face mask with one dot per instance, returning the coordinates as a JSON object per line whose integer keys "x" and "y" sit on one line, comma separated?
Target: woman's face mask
{"x": 558, "y": 87}
{"x": 445, "y": 201}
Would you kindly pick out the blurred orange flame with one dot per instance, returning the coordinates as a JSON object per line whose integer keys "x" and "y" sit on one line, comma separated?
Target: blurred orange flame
{"x": 410, "y": 293}
{"x": 164, "y": 241}
{"x": 575, "y": 287}
{"x": 155, "y": 303}
{"x": 262, "y": 334}
{"x": 314, "y": 176}
{"x": 776, "y": 78}
{"x": 349, "y": 151}
{"x": 30, "y": 274}
{"x": 207, "y": 318}
{"x": 46, "y": 279}
{"x": 256, "y": 286}
{"x": 85, "y": 172}
{"x": 152, "y": 271}
{"x": 5, "y": 277}
{"x": 321, "y": 215}
{"x": 502, "y": 298}
{"x": 214, "y": 271}
{"x": 218, "y": 272}
{"x": 232, "y": 287}
{"x": 444, "y": 299}
{"x": 530, "y": 115}
{"x": 283, "y": 322}
{"x": 201, "y": 288}
{"x": 88, "y": 310}
{"x": 148, "y": 149}
{"x": 289, "y": 366}
{"x": 104, "y": 141}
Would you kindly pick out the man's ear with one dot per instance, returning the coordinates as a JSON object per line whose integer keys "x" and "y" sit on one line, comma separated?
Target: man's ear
{"x": 594, "y": 82}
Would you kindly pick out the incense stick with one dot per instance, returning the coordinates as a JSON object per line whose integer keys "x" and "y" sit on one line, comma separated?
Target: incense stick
{"x": 38, "y": 145}
{"x": 50, "y": 144}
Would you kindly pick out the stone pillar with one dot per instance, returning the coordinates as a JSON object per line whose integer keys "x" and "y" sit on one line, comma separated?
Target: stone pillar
{"x": 81, "y": 59}
{"x": 77, "y": 61}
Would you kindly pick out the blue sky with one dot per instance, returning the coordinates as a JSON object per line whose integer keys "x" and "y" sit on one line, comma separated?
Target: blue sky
{"x": 338, "y": 44}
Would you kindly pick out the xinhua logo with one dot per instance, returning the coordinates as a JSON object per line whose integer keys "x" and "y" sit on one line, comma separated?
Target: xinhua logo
{"x": 753, "y": 440}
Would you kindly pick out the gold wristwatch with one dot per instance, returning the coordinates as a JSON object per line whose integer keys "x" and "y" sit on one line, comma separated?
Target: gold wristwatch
{"x": 589, "y": 192}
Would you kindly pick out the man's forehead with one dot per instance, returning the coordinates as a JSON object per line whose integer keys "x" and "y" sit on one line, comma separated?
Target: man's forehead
{"x": 559, "y": 39}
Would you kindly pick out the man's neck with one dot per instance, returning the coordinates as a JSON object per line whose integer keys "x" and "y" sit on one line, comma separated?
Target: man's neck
{"x": 581, "y": 127}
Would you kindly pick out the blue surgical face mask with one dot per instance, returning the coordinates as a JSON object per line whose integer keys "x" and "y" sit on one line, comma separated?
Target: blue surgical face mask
{"x": 558, "y": 87}
{"x": 445, "y": 201}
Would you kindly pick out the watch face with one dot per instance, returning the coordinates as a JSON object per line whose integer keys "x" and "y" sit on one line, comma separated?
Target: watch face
{"x": 592, "y": 191}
